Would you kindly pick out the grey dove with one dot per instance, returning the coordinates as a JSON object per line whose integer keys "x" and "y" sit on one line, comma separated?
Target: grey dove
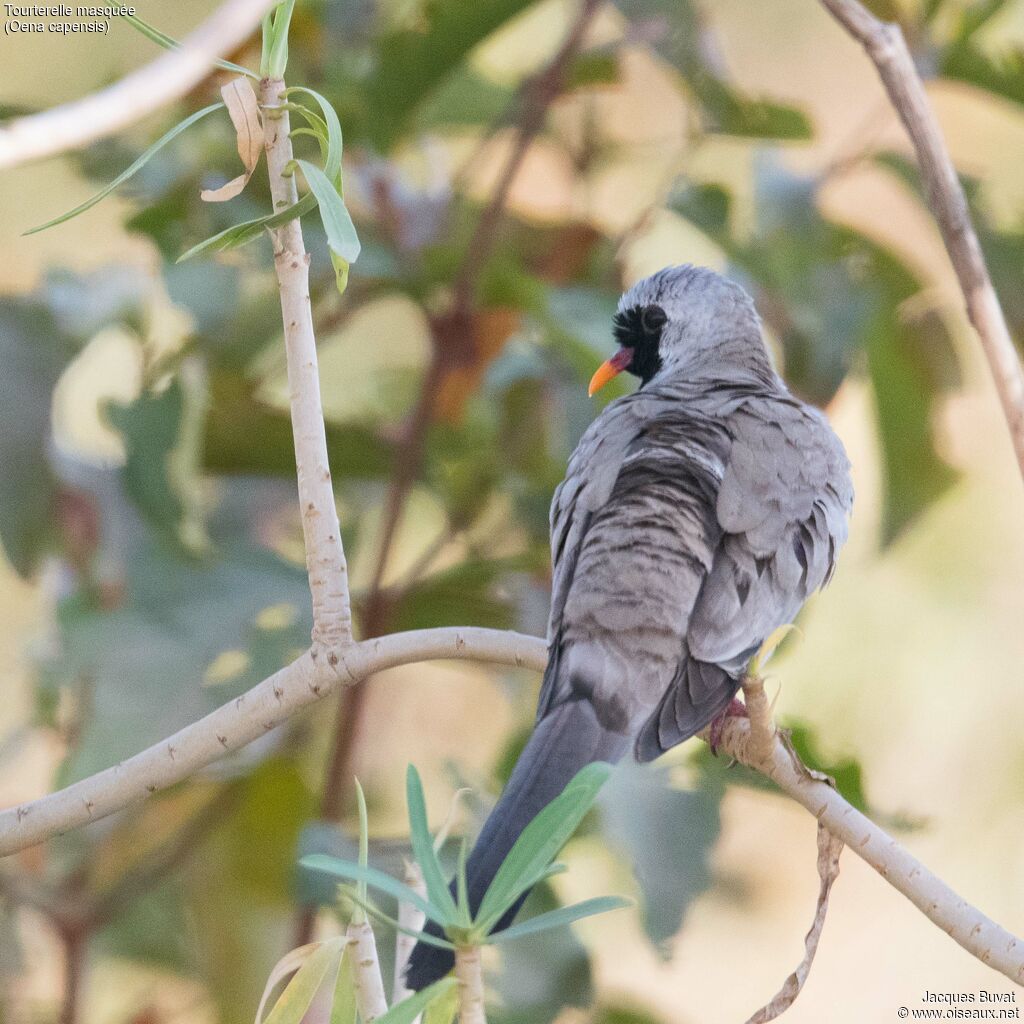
{"x": 697, "y": 515}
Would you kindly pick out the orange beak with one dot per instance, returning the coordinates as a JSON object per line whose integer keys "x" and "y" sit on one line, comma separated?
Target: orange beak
{"x": 610, "y": 368}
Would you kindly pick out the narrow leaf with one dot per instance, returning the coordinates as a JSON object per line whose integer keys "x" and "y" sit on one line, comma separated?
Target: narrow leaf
{"x": 364, "y": 838}
{"x": 409, "y": 1009}
{"x": 423, "y": 848}
{"x": 443, "y": 1009}
{"x": 341, "y": 232}
{"x": 248, "y": 231}
{"x": 244, "y": 110}
{"x": 463, "y": 886}
{"x": 332, "y": 126}
{"x": 381, "y": 918}
{"x": 343, "y": 1005}
{"x": 378, "y": 879}
{"x": 297, "y": 997}
{"x": 154, "y": 35}
{"x": 288, "y": 964}
{"x": 560, "y": 917}
{"x": 278, "y": 57}
{"x": 540, "y": 841}
{"x": 133, "y": 169}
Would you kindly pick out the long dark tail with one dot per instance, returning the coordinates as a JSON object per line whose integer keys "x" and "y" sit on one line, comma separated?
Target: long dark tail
{"x": 567, "y": 739}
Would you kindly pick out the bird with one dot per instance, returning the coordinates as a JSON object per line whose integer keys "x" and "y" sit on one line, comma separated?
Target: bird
{"x": 697, "y": 515}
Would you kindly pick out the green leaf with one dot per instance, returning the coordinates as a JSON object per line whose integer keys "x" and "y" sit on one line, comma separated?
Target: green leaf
{"x": 150, "y": 427}
{"x": 341, "y": 269}
{"x": 154, "y": 35}
{"x": 409, "y": 1009}
{"x": 413, "y": 62}
{"x": 135, "y": 167}
{"x": 423, "y": 849}
{"x": 332, "y": 127}
{"x": 277, "y": 55}
{"x": 540, "y": 841}
{"x": 543, "y": 973}
{"x": 298, "y": 995}
{"x": 33, "y": 355}
{"x": 443, "y": 1009}
{"x": 667, "y": 834}
{"x": 598, "y": 67}
{"x": 469, "y": 589}
{"x": 343, "y": 1005}
{"x": 386, "y": 919}
{"x": 677, "y": 33}
{"x": 364, "y": 838}
{"x": 1001, "y": 75}
{"x": 236, "y": 416}
{"x": 341, "y": 232}
{"x": 371, "y": 876}
{"x": 248, "y": 231}
{"x": 463, "y": 886}
{"x": 559, "y": 918}
{"x": 40, "y": 334}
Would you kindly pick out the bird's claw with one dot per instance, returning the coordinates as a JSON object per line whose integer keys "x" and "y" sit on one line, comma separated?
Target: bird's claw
{"x": 736, "y": 709}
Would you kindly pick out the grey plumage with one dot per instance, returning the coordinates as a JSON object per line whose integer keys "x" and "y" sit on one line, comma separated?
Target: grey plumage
{"x": 696, "y": 516}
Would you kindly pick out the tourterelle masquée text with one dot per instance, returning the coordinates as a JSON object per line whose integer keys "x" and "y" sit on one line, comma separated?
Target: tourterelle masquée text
{"x": 23, "y": 18}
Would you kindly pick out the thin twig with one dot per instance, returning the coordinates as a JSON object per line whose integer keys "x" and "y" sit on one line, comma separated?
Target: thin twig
{"x": 885, "y": 45}
{"x": 135, "y": 96}
{"x": 965, "y": 924}
{"x": 325, "y": 556}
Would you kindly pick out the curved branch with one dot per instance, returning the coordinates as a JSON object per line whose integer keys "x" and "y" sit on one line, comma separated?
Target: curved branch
{"x": 965, "y": 924}
{"x": 138, "y": 94}
{"x": 312, "y": 677}
{"x": 885, "y": 45}
{"x": 266, "y": 706}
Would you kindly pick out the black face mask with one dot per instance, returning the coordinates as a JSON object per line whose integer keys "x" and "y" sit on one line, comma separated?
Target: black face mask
{"x": 639, "y": 329}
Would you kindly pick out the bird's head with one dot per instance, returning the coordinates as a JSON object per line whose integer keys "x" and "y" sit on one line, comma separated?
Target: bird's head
{"x": 677, "y": 318}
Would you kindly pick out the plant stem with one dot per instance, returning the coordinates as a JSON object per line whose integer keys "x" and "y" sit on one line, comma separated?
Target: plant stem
{"x": 412, "y": 918}
{"x": 325, "y": 556}
{"x": 470, "y": 974}
{"x": 366, "y": 974}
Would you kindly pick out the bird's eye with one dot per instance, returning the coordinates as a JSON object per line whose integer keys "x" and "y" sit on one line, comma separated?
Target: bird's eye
{"x": 652, "y": 319}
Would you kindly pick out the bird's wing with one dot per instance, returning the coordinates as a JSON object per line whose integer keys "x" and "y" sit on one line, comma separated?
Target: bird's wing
{"x": 783, "y": 508}
{"x": 633, "y": 532}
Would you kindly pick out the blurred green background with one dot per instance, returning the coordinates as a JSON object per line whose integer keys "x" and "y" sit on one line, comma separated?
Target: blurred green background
{"x": 152, "y": 561}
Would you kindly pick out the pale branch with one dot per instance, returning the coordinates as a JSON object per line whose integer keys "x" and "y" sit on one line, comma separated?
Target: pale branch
{"x": 470, "y": 975}
{"x": 966, "y": 925}
{"x": 310, "y": 678}
{"x": 135, "y": 96}
{"x": 325, "y": 555}
{"x": 412, "y": 919}
{"x": 366, "y": 976}
{"x": 266, "y": 706}
{"x": 885, "y": 45}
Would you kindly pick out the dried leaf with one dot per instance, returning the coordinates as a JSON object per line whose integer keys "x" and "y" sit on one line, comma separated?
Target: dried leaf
{"x": 288, "y": 964}
{"x": 829, "y": 849}
{"x": 244, "y": 109}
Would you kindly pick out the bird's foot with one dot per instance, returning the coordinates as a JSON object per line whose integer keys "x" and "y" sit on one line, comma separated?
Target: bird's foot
{"x": 736, "y": 709}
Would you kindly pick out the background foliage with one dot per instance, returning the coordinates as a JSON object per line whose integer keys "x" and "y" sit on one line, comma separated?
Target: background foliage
{"x": 147, "y": 514}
